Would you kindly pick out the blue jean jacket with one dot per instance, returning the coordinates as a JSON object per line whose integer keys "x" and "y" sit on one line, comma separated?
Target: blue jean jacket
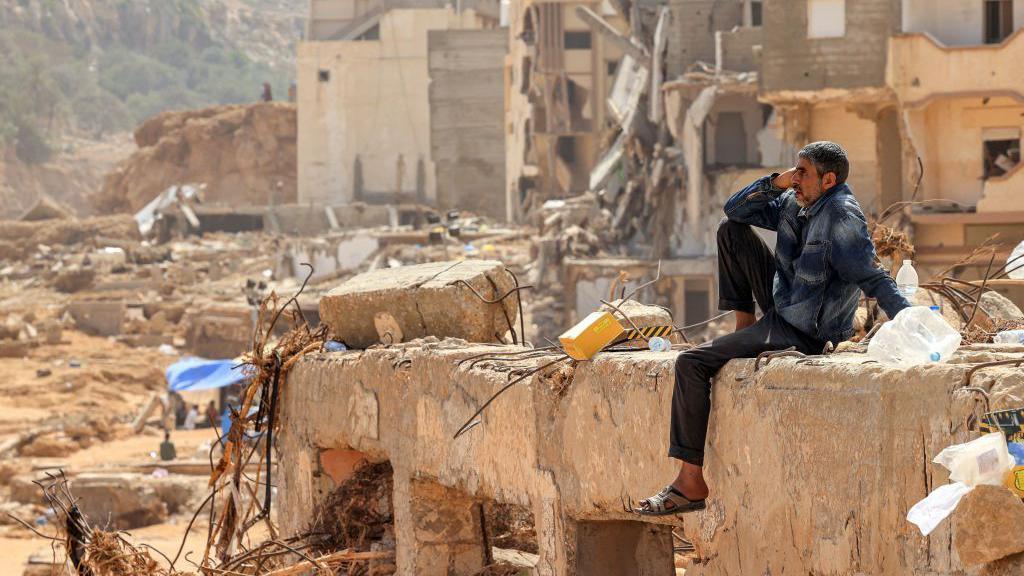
{"x": 824, "y": 257}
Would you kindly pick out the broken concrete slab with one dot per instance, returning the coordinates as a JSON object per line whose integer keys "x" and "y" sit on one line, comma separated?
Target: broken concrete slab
{"x": 987, "y": 525}
{"x": 121, "y": 501}
{"x": 98, "y": 317}
{"x": 435, "y": 299}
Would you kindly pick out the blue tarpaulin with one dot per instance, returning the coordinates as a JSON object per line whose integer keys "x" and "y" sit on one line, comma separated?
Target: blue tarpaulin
{"x": 190, "y": 374}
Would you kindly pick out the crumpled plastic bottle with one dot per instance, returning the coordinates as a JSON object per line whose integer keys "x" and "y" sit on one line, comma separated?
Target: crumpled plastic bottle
{"x": 1009, "y": 337}
{"x": 915, "y": 336}
{"x": 1015, "y": 263}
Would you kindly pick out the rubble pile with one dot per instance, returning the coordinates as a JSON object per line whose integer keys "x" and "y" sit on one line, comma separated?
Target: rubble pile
{"x": 245, "y": 154}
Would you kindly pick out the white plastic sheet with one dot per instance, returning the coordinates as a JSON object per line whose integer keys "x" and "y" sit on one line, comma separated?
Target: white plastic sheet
{"x": 984, "y": 460}
{"x": 930, "y": 512}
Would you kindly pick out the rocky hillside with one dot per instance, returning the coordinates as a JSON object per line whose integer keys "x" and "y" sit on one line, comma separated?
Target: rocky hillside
{"x": 93, "y": 67}
{"x": 245, "y": 155}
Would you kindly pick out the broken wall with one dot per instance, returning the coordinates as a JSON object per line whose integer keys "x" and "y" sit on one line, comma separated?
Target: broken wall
{"x": 467, "y": 136}
{"x": 833, "y": 491}
{"x": 692, "y": 31}
{"x": 740, "y": 48}
{"x": 791, "y": 61}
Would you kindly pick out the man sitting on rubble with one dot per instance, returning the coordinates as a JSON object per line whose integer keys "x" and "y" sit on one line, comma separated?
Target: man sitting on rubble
{"x": 808, "y": 293}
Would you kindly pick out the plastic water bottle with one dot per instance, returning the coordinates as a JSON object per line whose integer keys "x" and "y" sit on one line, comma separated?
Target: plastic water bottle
{"x": 659, "y": 344}
{"x": 915, "y": 336}
{"x": 1015, "y": 263}
{"x": 1009, "y": 337}
{"x": 335, "y": 346}
{"x": 906, "y": 280}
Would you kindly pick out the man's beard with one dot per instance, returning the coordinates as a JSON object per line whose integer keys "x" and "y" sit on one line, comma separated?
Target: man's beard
{"x": 801, "y": 200}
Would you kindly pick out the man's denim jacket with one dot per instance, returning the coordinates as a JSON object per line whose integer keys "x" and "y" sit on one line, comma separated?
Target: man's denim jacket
{"x": 824, "y": 257}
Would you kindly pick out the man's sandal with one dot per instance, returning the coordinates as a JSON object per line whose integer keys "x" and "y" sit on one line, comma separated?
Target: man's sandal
{"x": 667, "y": 502}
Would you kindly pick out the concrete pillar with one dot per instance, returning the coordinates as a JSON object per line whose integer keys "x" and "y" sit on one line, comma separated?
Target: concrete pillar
{"x": 437, "y": 529}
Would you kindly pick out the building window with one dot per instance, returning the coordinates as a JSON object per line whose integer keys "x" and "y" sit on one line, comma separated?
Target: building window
{"x": 371, "y": 34}
{"x": 998, "y": 20}
{"x": 1000, "y": 151}
{"x": 697, "y": 300}
{"x": 324, "y": 75}
{"x": 756, "y": 13}
{"x": 613, "y": 67}
{"x": 826, "y": 18}
{"x": 577, "y": 40}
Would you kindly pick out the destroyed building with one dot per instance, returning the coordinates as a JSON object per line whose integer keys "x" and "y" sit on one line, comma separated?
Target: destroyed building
{"x": 401, "y": 102}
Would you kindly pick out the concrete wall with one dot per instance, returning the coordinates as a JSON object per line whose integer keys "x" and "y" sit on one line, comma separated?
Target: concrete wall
{"x": 692, "y": 32}
{"x": 920, "y": 69}
{"x": 947, "y": 133}
{"x": 752, "y": 117}
{"x": 374, "y": 105}
{"x": 858, "y": 136}
{"x": 952, "y": 22}
{"x": 792, "y": 62}
{"x": 737, "y": 47}
{"x": 467, "y": 136}
{"x": 812, "y": 463}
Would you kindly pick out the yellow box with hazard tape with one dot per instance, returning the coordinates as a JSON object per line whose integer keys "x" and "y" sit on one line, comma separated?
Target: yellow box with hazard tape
{"x": 593, "y": 333}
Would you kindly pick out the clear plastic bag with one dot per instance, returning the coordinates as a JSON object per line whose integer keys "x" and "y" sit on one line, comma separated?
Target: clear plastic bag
{"x": 985, "y": 460}
{"x": 915, "y": 336}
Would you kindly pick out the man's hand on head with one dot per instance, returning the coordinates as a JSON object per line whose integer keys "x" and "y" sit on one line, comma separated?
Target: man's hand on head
{"x": 785, "y": 180}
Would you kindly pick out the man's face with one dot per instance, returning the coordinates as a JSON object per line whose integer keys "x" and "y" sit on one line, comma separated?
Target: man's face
{"x": 808, "y": 184}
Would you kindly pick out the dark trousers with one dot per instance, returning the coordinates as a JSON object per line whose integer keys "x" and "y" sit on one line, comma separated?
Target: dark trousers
{"x": 746, "y": 269}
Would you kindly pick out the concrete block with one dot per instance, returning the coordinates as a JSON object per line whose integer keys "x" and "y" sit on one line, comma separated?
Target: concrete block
{"x": 987, "y": 525}
{"x": 121, "y": 501}
{"x": 221, "y": 331}
{"x": 425, "y": 300}
{"x": 624, "y": 548}
{"x": 98, "y": 317}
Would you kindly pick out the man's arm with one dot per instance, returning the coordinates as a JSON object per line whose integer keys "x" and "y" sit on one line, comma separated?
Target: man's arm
{"x": 759, "y": 204}
{"x": 853, "y": 257}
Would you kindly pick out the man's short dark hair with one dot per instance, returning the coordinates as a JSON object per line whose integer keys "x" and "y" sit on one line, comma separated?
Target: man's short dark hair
{"x": 827, "y": 157}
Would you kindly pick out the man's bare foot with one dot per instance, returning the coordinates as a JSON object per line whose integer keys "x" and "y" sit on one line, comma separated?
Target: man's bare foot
{"x": 744, "y": 319}
{"x": 690, "y": 482}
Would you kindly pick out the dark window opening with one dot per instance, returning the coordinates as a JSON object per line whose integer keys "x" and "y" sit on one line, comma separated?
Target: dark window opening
{"x": 998, "y": 20}
{"x": 613, "y": 67}
{"x": 697, "y": 301}
{"x": 577, "y": 40}
{"x": 1000, "y": 157}
{"x": 566, "y": 149}
{"x": 324, "y": 75}
{"x": 371, "y": 34}
{"x": 756, "y": 13}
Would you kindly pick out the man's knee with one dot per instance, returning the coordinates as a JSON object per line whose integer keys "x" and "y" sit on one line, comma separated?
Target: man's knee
{"x": 687, "y": 365}
{"x": 729, "y": 231}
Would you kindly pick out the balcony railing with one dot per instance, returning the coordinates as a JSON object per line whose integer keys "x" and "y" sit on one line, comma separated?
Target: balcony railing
{"x": 921, "y": 68}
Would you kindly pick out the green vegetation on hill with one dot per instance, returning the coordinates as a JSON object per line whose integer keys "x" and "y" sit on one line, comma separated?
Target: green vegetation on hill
{"x": 56, "y": 77}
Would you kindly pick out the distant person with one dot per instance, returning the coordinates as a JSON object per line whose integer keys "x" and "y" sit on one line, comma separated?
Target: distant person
{"x": 212, "y": 417}
{"x": 225, "y": 422}
{"x": 180, "y": 410}
{"x": 268, "y": 96}
{"x": 191, "y": 417}
{"x": 167, "y": 451}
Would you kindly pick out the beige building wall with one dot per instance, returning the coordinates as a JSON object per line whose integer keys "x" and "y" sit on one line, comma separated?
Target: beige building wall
{"x": 952, "y": 22}
{"x": 948, "y": 134}
{"x": 858, "y": 136}
{"x": 368, "y": 99}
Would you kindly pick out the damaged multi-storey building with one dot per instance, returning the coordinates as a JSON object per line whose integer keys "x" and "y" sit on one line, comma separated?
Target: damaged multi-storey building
{"x": 400, "y": 102}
